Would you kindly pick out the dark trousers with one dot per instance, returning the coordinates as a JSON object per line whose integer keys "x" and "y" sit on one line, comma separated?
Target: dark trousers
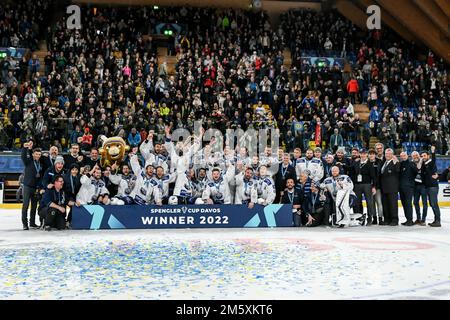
{"x": 53, "y": 218}
{"x": 328, "y": 210}
{"x": 433, "y": 197}
{"x": 390, "y": 207}
{"x": 29, "y": 194}
{"x": 318, "y": 217}
{"x": 421, "y": 192}
{"x": 406, "y": 196}
{"x": 297, "y": 219}
{"x": 365, "y": 189}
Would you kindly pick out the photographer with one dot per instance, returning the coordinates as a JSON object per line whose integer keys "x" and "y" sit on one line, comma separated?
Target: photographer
{"x": 31, "y": 182}
{"x": 53, "y": 206}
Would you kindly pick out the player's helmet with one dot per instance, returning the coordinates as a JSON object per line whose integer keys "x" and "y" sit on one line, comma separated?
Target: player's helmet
{"x": 199, "y": 201}
{"x": 173, "y": 200}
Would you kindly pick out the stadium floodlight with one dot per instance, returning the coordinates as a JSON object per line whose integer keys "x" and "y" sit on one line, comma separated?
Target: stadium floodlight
{"x": 155, "y": 7}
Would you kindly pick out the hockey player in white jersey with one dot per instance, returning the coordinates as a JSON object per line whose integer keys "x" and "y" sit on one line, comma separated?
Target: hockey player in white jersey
{"x": 181, "y": 154}
{"x": 243, "y": 156}
{"x": 340, "y": 189}
{"x": 187, "y": 188}
{"x": 144, "y": 191}
{"x": 154, "y": 155}
{"x": 93, "y": 189}
{"x": 246, "y": 184}
{"x": 265, "y": 187}
{"x": 310, "y": 164}
{"x": 161, "y": 181}
{"x": 126, "y": 182}
{"x": 217, "y": 190}
{"x": 270, "y": 161}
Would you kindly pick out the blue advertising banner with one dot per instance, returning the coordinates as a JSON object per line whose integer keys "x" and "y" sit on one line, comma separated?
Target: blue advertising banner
{"x": 96, "y": 217}
{"x": 11, "y": 164}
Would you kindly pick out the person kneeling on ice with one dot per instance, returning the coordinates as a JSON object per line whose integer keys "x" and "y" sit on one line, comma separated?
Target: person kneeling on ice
{"x": 93, "y": 189}
{"x": 314, "y": 206}
{"x": 340, "y": 200}
{"x": 53, "y": 205}
{"x": 126, "y": 182}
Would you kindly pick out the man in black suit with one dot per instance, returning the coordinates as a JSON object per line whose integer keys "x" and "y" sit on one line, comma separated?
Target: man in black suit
{"x": 389, "y": 182}
{"x": 364, "y": 181}
{"x": 285, "y": 171}
{"x": 72, "y": 185}
{"x": 32, "y": 181}
{"x": 408, "y": 173}
{"x": 291, "y": 196}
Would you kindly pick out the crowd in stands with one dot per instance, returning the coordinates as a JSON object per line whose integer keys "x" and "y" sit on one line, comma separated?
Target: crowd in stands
{"x": 22, "y": 22}
{"x": 105, "y": 79}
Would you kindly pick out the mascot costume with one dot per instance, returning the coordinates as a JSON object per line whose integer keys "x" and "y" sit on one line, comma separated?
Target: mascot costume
{"x": 112, "y": 151}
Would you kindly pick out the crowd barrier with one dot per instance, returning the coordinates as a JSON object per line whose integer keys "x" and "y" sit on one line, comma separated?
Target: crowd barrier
{"x": 96, "y": 217}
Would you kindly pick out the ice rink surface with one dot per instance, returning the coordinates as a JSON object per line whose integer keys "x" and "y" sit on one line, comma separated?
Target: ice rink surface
{"x": 377, "y": 262}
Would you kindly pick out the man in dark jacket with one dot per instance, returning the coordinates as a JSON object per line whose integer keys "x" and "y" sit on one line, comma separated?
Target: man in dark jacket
{"x": 50, "y": 173}
{"x": 389, "y": 183}
{"x": 31, "y": 182}
{"x": 48, "y": 160}
{"x": 364, "y": 181}
{"x": 408, "y": 172}
{"x": 53, "y": 205}
{"x": 430, "y": 179}
{"x": 72, "y": 185}
{"x": 74, "y": 156}
{"x": 291, "y": 196}
{"x": 376, "y": 163}
{"x": 93, "y": 158}
{"x": 285, "y": 171}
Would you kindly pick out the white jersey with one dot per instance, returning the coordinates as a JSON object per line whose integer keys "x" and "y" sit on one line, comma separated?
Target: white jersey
{"x": 185, "y": 187}
{"x": 91, "y": 189}
{"x": 271, "y": 162}
{"x": 340, "y": 189}
{"x": 265, "y": 188}
{"x": 341, "y": 182}
{"x": 314, "y": 166}
{"x": 245, "y": 190}
{"x": 219, "y": 191}
{"x": 144, "y": 191}
{"x": 126, "y": 184}
{"x": 180, "y": 162}
{"x": 163, "y": 183}
{"x": 155, "y": 159}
